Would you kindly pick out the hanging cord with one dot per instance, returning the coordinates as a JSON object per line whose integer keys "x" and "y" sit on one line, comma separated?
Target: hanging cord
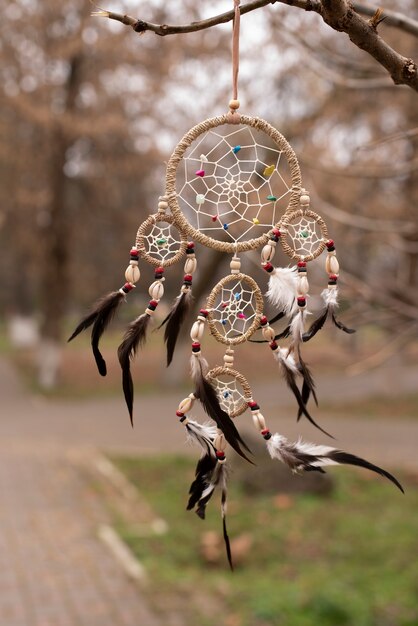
{"x": 234, "y": 118}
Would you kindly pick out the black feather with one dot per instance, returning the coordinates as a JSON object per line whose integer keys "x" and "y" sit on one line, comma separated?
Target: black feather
{"x": 203, "y": 475}
{"x": 174, "y": 321}
{"x": 277, "y": 317}
{"x": 341, "y": 326}
{"x": 315, "y": 326}
{"x": 350, "y": 459}
{"x": 207, "y": 396}
{"x": 202, "y": 440}
{"x": 100, "y": 317}
{"x": 308, "y": 386}
{"x": 225, "y": 531}
{"x": 134, "y": 337}
{"x": 291, "y": 383}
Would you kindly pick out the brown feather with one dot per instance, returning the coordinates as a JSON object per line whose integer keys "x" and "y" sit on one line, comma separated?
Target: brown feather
{"x": 134, "y": 337}
{"x": 174, "y": 321}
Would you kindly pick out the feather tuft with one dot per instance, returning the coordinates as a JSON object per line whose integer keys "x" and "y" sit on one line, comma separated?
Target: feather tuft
{"x": 202, "y": 435}
{"x": 101, "y": 316}
{"x": 134, "y": 337}
{"x": 315, "y": 327}
{"x": 311, "y": 457}
{"x": 330, "y": 297}
{"x": 282, "y": 288}
{"x": 174, "y": 322}
{"x": 203, "y": 476}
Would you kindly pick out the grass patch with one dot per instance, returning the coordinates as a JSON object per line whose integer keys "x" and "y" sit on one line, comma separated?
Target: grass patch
{"x": 345, "y": 560}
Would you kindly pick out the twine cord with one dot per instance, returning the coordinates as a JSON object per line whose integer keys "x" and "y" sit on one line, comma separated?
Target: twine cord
{"x": 235, "y": 49}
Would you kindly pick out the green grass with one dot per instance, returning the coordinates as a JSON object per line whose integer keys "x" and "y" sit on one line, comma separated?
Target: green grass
{"x": 349, "y": 560}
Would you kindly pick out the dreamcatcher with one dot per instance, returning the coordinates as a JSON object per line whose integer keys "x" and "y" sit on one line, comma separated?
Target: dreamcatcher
{"x": 233, "y": 184}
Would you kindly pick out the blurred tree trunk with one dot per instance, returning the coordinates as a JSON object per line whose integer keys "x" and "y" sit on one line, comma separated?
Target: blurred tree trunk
{"x": 56, "y": 244}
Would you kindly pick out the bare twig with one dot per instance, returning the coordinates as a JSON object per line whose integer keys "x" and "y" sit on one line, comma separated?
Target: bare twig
{"x": 339, "y": 14}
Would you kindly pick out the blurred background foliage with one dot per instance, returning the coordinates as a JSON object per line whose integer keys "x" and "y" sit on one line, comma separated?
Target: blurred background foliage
{"x": 91, "y": 112}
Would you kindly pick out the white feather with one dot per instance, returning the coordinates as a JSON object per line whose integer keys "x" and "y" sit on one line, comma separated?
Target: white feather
{"x": 196, "y": 432}
{"x": 198, "y": 366}
{"x": 330, "y": 297}
{"x": 286, "y": 359}
{"x": 275, "y": 445}
{"x": 297, "y": 326}
{"x": 282, "y": 288}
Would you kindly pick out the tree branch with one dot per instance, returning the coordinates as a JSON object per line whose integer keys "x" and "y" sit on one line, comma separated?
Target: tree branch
{"x": 338, "y": 14}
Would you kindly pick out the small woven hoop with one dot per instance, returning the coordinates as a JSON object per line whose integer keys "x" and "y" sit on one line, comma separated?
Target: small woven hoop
{"x": 259, "y": 304}
{"x": 226, "y": 371}
{"x": 176, "y": 157}
{"x": 140, "y": 240}
{"x": 287, "y": 219}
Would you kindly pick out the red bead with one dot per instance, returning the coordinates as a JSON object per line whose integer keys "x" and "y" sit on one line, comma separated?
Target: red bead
{"x": 333, "y": 277}
{"x": 276, "y": 232}
{"x": 134, "y": 252}
{"x": 195, "y": 344}
{"x": 190, "y": 245}
{"x": 159, "y": 270}
{"x": 128, "y": 286}
{"x": 203, "y": 312}
{"x": 302, "y": 264}
{"x": 330, "y": 243}
{"x": 179, "y": 414}
{"x": 252, "y": 404}
{"x": 268, "y": 267}
{"x": 273, "y": 345}
{"x": 263, "y": 320}
{"x": 214, "y": 218}
{"x": 153, "y": 303}
{"x": 188, "y": 277}
{"x": 301, "y": 300}
{"x": 265, "y": 432}
{"x": 220, "y": 454}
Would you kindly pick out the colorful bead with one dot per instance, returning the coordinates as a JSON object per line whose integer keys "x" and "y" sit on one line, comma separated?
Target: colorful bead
{"x": 237, "y": 295}
{"x": 236, "y": 149}
{"x": 214, "y": 218}
{"x": 203, "y": 158}
{"x": 241, "y": 316}
{"x": 200, "y": 173}
{"x": 272, "y": 198}
{"x": 268, "y": 171}
{"x": 256, "y": 220}
{"x": 226, "y": 227}
{"x": 263, "y": 320}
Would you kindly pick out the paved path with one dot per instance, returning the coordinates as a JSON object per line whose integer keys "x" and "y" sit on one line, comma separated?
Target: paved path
{"x": 54, "y": 571}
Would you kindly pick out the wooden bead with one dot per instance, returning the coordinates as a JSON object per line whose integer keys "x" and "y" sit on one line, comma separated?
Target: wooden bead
{"x": 267, "y": 253}
{"x": 235, "y": 265}
{"x": 197, "y": 331}
{"x": 234, "y": 104}
{"x": 186, "y": 404}
{"x": 156, "y": 290}
{"x": 132, "y": 274}
{"x": 190, "y": 265}
{"x": 268, "y": 333}
{"x": 331, "y": 264}
{"x": 302, "y": 285}
{"x": 304, "y": 200}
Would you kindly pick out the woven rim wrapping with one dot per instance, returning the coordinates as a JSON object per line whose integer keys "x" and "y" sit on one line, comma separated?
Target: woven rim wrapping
{"x": 226, "y": 371}
{"x": 140, "y": 240}
{"x": 259, "y": 304}
{"x": 291, "y": 217}
{"x": 176, "y": 157}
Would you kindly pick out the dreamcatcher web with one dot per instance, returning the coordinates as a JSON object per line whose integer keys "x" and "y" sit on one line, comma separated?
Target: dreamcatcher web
{"x": 235, "y": 310}
{"x": 234, "y": 186}
{"x": 230, "y": 395}
{"x": 305, "y": 235}
{"x": 160, "y": 242}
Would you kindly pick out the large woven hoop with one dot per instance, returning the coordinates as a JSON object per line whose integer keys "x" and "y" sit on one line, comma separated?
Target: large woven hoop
{"x": 140, "y": 240}
{"x": 217, "y": 372}
{"x": 176, "y": 157}
{"x": 287, "y": 220}
{"x": 259, "y": 304}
